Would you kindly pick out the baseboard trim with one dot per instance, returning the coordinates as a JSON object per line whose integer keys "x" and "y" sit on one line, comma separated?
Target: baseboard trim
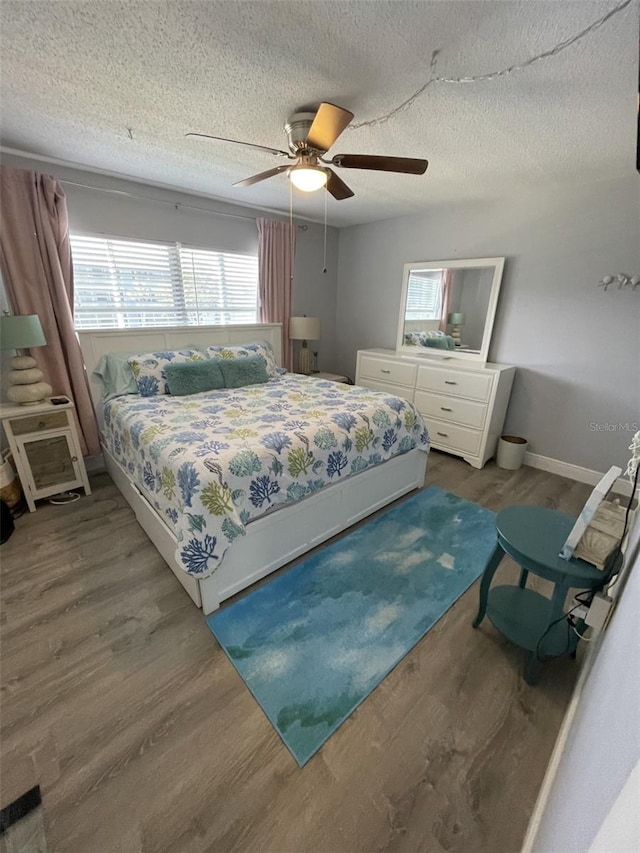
{"x": 574, "y": 472}
{"x": 95, "y": 464}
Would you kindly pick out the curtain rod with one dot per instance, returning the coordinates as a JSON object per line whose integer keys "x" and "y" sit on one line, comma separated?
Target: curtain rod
{"x": 175, "y": 204}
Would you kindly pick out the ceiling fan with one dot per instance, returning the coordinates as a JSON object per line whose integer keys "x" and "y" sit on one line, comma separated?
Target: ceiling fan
{"x": 309, "y": 136}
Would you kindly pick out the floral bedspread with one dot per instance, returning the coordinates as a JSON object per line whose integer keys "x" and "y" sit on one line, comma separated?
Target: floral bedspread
{"x": 212, "y": 462}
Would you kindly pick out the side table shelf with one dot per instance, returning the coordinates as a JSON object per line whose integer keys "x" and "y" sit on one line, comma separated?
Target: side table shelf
{"x": 46, "y": 450}
{"x": 523, "y": 616}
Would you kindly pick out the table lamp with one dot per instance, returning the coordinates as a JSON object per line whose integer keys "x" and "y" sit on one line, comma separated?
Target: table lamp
{"x": 21, "y": 332}
{"x": 304, "y": 329}
{"x": 456, "y": 320}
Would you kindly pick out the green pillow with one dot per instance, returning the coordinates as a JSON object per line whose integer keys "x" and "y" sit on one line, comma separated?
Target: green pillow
{"x": 192, "y": 377}
{"x": 238, "y": 372}
{"x": 114, "y": 371}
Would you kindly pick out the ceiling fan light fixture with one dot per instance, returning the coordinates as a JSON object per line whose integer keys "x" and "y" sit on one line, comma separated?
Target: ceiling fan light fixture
{"x": 308, "y": 178}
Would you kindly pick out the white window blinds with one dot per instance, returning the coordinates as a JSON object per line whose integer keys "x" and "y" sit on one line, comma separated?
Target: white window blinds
{"x": 122, "y": 284}
{"x": 424, "y": 296}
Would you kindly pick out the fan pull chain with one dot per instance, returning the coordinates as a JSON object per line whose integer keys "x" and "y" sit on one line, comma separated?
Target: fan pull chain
{"x": 290, "y": 232}
{"x": 324, "y": 257}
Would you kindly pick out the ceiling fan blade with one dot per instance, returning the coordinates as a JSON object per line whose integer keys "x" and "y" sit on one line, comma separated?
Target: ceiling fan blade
{"x": 327, "y": 126}
{"x": 337, "y": 187}
{"x": 238, "y": 142}
{"x": 270, "y": 173}
{"x": 405, "y": 165}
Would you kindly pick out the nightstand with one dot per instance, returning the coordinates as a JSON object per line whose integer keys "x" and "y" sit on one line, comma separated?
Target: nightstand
{"x": 331, "y": 377}
{"x": 45, "y": 447}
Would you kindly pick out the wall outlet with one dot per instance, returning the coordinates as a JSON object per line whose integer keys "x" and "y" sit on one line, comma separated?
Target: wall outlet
{"x": 580, "y": 612}
{"x": 599, "y": 611}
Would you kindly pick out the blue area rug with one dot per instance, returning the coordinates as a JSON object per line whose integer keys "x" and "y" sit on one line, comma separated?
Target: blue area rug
{"x": 315, "y": 641}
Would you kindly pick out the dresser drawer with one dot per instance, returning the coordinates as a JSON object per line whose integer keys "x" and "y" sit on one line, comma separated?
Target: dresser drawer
{"x": 475, "y": 386}
{"x": 451, "y": 409}
{"x": 387, "y": 371}
{"x": 452, "y": 437}
{"x": 388, "y": 388}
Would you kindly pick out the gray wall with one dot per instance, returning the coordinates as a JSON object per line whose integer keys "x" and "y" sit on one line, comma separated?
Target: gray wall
{"x": 314, "y": 292}
{"x": 603, "y": 745}
{"x": 576, "y": 348}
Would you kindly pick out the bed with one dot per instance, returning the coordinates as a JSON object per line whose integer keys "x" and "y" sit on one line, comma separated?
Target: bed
{"x": 229, "y": 485}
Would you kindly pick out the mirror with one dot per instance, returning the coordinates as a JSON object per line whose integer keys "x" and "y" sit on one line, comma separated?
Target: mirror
{"x": 448, "y": 308}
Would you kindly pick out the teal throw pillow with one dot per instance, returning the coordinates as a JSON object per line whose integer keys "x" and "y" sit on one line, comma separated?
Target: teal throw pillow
{"x": 193, "y": 377}
{"x": 238, "y": 372}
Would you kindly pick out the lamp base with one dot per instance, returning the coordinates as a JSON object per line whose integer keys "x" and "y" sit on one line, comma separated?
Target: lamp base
{"x": 305, "y": 360}
{"x": 30, "y": 395}
{"x": 25, "y": 382}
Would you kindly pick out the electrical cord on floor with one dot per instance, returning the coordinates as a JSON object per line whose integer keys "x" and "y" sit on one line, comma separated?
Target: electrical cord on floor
{"x": 64, "y": 498}
{"x": 556, "y": 622}
{"x": 579, "y": 635}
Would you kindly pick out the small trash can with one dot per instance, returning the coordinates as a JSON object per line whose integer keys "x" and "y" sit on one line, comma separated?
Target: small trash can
{"x": 511, "y": 450}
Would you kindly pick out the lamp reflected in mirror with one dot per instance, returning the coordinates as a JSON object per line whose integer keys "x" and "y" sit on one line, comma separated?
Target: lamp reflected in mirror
{"x": 455, "y": 321}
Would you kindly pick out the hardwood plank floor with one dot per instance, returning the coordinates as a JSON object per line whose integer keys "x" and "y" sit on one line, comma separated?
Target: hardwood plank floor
{"x": 119, "y": 702}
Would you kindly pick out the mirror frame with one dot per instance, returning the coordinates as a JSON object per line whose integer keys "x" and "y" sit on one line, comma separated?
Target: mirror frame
{"x": 465, "y": 263}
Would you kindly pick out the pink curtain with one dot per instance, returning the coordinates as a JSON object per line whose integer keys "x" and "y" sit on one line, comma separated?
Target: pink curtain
{"x": 447, "y": 277}
{"x": 276, "y": 253}
{"x": 35, "y": 258}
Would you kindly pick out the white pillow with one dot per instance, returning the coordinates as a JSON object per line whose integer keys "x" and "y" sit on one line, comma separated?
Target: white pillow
{"x": 262, "y": 348}
{"x": 148, "y": 369}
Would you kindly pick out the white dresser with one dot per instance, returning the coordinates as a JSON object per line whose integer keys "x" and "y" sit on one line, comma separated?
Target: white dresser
{"x": 463, "y": 404}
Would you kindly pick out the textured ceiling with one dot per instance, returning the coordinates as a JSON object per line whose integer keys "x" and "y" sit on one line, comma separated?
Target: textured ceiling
{"x": 76, "y": 75}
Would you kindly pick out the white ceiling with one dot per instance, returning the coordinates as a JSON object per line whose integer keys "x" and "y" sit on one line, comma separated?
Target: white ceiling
{"x": 76, "y": 75}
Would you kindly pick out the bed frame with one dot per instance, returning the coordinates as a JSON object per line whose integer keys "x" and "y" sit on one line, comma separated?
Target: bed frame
{"x": 273, "y": 539}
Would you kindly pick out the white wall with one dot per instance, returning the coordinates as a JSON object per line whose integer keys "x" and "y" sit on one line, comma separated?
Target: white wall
{"x": 576, "y": 348}
{"x": 96, "y": 212}
{"x": 589, "y": 798}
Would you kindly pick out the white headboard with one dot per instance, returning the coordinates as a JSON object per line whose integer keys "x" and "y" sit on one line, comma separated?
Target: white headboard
{"x": 96, "y": 343}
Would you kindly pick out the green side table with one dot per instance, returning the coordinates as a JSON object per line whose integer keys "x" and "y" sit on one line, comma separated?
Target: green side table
{"x": 533, "y": 537}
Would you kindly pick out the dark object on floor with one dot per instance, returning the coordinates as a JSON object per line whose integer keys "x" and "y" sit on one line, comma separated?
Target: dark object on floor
{"x": 6, "y": 522}
{"x": 19, "y": 808}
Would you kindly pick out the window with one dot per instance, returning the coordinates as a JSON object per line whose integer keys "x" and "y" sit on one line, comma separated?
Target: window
{"x": 424, "y": 295}
{"x": 121, "y": 284}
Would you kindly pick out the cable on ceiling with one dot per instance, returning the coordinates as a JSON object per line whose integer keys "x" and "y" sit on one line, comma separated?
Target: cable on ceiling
{"x": 493, "y": 75}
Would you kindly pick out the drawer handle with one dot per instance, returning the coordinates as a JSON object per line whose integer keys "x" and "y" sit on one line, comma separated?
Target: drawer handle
{"x": 42, "y": 424}
{"x": 74, "y": 458}
{"x": 449, "y": 382}
{"x": 384, "y": 371}
{"x": 445, "y": 409}
{"x": 443, "y": 434}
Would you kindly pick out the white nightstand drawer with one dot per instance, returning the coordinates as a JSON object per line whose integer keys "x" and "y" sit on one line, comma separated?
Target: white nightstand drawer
{"x": 451, "y": 409}
{"x": 451, "y": 436}
{"x": 392, "y": 390}
{"x": 38, "y": 423}
{"x": 475, "y": 386}
{"x": 387, "y": 371}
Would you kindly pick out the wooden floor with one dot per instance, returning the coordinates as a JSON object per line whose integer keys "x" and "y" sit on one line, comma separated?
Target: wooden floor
{"x": 119, "y": 702}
